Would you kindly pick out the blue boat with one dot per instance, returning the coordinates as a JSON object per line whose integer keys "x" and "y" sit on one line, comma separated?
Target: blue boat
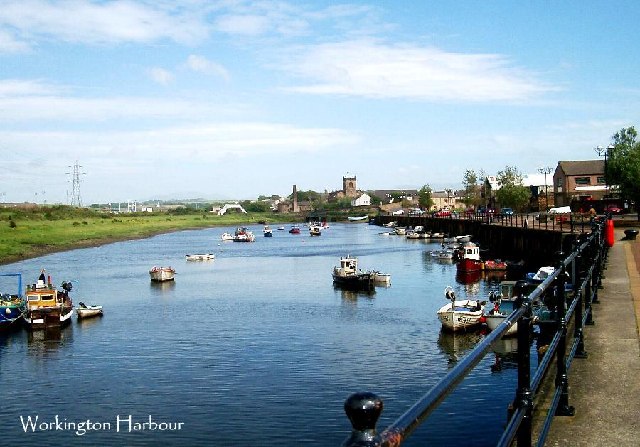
{"x": 11, "y": 306}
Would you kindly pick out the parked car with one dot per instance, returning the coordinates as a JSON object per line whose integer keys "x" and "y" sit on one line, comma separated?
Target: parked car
{"x": 483, "y": 211}
{"x": 469, "y": 212}
{"x": 442, "y": 213}
{"x": 506, "y": 211}
{"x": 613, "y": 209}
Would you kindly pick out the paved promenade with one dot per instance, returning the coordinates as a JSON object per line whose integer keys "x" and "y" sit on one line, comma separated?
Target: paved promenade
{"x": 605, "y": 387}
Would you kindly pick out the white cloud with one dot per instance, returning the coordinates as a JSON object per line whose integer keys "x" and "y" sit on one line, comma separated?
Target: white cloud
{"x": 203, "y": 65}
{"x": 372, "y": 69}
{"x": 161, "y": 76}
{"x": 104, "y": 22}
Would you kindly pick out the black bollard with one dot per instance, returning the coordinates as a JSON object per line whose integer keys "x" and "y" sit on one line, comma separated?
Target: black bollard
{"x": 363, "y": 410}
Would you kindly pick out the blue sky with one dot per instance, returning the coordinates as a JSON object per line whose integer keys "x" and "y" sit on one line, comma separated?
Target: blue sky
{"x": 235, "y": 99}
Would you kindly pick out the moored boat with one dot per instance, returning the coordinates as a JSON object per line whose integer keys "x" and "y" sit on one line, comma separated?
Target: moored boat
{"x": 469, "y": 258}
{"x": 267, "y": 232}
{"x": 85, "y": 311}
{"x": 314, "y": 230}
{"x": 503, "y": 304}
{"x": 242, "y": 234}
{"x": 161, "y": 274}
{"x": 381, "y": 279}
{"x": 295, "y": 229}
{"x": 495, "y": 265}
{"x": 200, "y": 257}
{"x": 349, "y": 276}
{"x": 11, "y": 306}
{"x": 357, "y": 218}
{"x": 226, "y": 236}
{"x": 46, "y": 307}
{"x": 459, "y": 315}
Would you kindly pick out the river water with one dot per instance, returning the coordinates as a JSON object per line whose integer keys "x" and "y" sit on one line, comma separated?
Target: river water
{"x": 254, "y": 348}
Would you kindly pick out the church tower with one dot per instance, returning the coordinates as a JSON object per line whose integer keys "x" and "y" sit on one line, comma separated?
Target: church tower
{"x": 349, "y": 186}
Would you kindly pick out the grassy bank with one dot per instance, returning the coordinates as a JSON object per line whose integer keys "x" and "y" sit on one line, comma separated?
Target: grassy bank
{"x": 29, "y": 233}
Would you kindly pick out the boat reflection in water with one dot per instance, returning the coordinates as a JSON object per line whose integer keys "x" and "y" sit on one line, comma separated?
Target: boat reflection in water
{"x": 162, "y": 287}
{"x": 506, "y": 354}
{"x": 48, "y": 341}
{"x": 353, "y": 295}
{"x": 457, "y": 345}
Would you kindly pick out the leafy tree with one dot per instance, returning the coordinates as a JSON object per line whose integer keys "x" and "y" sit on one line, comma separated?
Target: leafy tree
{"x": 512, "y": 192}
{"x": 472, "y": 195}
{"x": 424, "y": 197}
{"x": 623, "y": 164}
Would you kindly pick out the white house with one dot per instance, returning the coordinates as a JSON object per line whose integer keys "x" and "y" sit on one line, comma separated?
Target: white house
{"x": 363, "y": 200}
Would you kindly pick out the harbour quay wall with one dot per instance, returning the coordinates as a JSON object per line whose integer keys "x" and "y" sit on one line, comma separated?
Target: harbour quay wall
{"x": 537, "y": 246}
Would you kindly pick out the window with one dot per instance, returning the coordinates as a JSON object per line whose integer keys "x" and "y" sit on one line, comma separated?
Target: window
{"x": 583, "y": 180}
{"x": 601, "y": 181}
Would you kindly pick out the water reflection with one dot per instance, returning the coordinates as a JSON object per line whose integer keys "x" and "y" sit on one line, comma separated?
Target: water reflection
{"x": 47, "y": 341}
{"x": 457, "y": 345}
{"x": 159, "y": 288}
{"x": 506, "y": 354}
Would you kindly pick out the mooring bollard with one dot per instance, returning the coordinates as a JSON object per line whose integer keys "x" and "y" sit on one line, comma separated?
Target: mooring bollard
{"x": 630, "y": 234}
{"x": 363, "y": 410}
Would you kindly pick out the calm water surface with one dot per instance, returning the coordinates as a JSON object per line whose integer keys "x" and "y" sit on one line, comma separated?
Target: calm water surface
{"x": 255, "y": 348}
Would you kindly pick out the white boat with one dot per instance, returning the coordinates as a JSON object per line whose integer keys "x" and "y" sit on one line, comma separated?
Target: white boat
{"x": 243, "y": 235}
{"x": 463, "y": 238}
{"x": 85, "y": 311}
{"x": 161, "y": 274}
{"x": 442, "y": 254}
{"x": 315, "y": 230}
{"x": 400, "y": 231}
{"x": 227, "y": 237}
{"x": 200, "y": 257}
{"x": 382, "y": 279}
{"x": 267, "y": 231}
{"x": 459, "y": 315}
{"x": 356, "y": 219}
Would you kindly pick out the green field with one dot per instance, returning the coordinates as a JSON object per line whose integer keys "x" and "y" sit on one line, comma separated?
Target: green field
{"x": 28, "y": 233}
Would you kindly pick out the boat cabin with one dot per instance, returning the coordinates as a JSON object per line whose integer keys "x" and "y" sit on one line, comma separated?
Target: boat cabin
{"x": 471, "y": 251}
{"x": 42, "y": 295}
{"x": 348, "y": 265}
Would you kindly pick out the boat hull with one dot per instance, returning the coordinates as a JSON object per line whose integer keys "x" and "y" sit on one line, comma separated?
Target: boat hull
{"x": 463, "y": 316}
{"x": 10, "y": 317}
{"x": 469, "y": 265}
{"x": 162, "y": 274}
{"x": 48, "y": 317}
{"x": 89, "y": 312}
{"x": 360, "y": 281}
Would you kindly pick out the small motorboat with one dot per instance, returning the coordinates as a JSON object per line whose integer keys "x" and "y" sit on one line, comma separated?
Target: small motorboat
{"x": 161, "y": 274}
{"x": 200, "y": 257}
{"x": 295, "y": 229}
{"x": 314, "y": 230}
{"x": 267, "y": 231}
{"x": 226, "y": 236}
{"x": 381, "y": 279}
{"x": 460, "y": 315}
{"x": 85, "y": 311}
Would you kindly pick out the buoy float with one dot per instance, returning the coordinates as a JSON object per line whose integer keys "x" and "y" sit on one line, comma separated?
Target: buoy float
{"x": 608, "y": 233}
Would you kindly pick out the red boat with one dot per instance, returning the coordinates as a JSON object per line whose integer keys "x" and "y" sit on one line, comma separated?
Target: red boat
{"x": 469, "y": 258}
{"x": 294, "y": 229}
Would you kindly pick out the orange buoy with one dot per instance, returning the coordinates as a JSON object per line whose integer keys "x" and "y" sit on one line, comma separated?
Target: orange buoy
{"x": 608, "y": 232}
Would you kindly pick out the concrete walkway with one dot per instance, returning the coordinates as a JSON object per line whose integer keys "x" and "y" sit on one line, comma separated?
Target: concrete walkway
{"x": 605, "y": 387}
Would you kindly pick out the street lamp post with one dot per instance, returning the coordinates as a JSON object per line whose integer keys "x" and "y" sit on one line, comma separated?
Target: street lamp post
{"x": 604, "y": 151}
{"x": 546, "y": 170}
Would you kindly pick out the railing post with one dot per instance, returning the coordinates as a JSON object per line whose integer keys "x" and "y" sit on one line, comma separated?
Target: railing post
{"x": 562, "y": 378}
{"x": 524, "y": 395}
{"x": 578, "y": 331}
{"x": 363, "y": 410}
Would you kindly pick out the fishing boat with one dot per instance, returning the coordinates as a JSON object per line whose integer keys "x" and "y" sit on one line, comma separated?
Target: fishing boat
{"x": 295, "y": 229}
{"x": 46, "y": 307}
{"x": 504, "y": 303}
{"x": 161, "y": 274}
{"x": 242, "y": 234}
{"x": 200, "y": 257}
{"x": 267, "y": 232}
{"x": 460, "y": 315}
{"x": 495, "y": 264}
{"x": 85, "y": 311}
{"x": 314, "y": 230}
{"x": 349, "y": 276}
{"x": 469, "y": 258}
{"x": 11, "y": 306}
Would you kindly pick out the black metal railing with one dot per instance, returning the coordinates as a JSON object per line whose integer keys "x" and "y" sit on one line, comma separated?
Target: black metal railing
{"x": 566, "y": 303}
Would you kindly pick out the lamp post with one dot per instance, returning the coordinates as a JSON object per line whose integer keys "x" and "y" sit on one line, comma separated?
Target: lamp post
{"x": 546, "y": 170}
{"x": 604, "y": 151}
